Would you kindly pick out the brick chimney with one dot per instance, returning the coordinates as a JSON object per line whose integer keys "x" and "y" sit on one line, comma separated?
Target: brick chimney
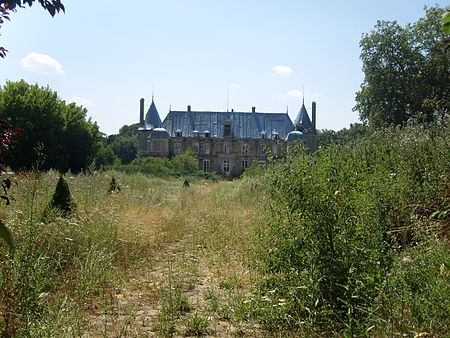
{"x": 253, "y": 109}
{"x": 189, "y": 108}
{"x": 141, "y": 113}
{"x": 314, "y": 116}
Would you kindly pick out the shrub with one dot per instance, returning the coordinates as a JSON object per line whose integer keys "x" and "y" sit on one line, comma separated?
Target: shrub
{"x": 113, "y": 186}
{"x": 61, "y": 201}
{"x": 340, "y": 220}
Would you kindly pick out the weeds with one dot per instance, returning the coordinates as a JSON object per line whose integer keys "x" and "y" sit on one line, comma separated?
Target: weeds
{"x": 342, "y": 221}
{"x": 197, "y": 326}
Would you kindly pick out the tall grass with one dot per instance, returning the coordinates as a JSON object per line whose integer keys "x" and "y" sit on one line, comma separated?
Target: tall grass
{"x": 64, "y": 271}
{"x": 355, "y": 245}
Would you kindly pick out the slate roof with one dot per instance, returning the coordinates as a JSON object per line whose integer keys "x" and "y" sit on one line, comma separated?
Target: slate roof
{"x": 152, "y": 119}
{"x": 294, "y": 135}
{"x": 303, "y": 119}
{"x": 243, "y": 124}
{"x": 159, "y": 133}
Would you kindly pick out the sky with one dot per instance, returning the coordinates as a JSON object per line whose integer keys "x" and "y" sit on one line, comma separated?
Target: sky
{"x": 210, "y": 54}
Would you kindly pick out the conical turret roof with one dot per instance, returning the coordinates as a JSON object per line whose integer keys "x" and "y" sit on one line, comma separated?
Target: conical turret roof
{"x": 152, "y": 119}
{"x": 303, "y": 119}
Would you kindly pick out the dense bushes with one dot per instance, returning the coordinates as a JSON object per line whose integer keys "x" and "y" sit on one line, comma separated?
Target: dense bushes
{"x": 185, "y": 164}
{"x": 351, "y": 238}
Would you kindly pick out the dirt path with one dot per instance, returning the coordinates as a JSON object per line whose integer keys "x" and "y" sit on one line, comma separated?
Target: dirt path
{"x": 184, "y": 289}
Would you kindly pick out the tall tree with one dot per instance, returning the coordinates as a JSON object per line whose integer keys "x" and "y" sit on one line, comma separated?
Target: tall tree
{"x": 406, "y": 72}
{"x": 54, "y": 135}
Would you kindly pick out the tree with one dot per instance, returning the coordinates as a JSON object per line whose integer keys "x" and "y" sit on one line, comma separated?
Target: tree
{"x": 54, "y": 134}
{"x": 405, "y": 68}
{"x": 61, "y": 202}
{"x": 8, "y": 6}
{"x": 81, "y": 137}
{"x": 124, "y": 144}
{"x": 352, "y": 134}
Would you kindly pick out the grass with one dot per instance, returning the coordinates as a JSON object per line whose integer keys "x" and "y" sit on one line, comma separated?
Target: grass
{"x": 239, "y": 258}
{"x": 86, "y": 273}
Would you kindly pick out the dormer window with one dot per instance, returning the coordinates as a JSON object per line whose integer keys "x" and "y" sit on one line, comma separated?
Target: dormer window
{"x": 178, "y": 133}
{"x": 227, "y": 129}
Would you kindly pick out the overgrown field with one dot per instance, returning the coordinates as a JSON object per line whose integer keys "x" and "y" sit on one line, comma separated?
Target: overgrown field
{"x": 358, "y": 240}
{"x": 155, "y": 257}
{"x": 349, "y": 241}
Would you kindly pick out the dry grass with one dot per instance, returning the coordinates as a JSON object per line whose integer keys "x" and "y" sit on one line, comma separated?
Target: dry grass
{"x": 126, "y": 263}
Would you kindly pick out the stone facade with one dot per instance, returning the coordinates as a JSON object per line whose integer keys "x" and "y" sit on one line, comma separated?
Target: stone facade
{"x": 226, "y": 152}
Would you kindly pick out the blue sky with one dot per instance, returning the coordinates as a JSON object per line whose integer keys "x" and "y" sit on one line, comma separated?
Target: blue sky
{"x": 106, "y": 56}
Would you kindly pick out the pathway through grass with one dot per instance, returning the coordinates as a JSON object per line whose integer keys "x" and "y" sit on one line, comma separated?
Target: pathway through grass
{"x": 194, "y": 264}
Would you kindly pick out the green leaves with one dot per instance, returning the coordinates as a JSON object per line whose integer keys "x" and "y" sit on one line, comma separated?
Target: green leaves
{"x": 405, "y": 68}
{"x": 446, "y": 22}
{"x": 5, "y": 234}
{"x": 69, "y": 140}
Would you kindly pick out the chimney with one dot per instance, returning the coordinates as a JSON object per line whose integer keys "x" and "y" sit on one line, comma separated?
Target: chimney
{"x": 189, "y": 108}
{"x": 253, "y": 109}
{"x": 314, "y": 116}
{"x": 141, "y": 113}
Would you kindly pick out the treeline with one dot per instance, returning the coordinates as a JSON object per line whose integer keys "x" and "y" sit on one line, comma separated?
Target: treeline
{"x": 52, "y": 134}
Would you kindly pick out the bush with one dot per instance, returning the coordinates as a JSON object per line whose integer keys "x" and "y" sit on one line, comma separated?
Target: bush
{"x": 185, "y": 164}
{"x": 62, "y": 201}
{"x": 340, "y": 219}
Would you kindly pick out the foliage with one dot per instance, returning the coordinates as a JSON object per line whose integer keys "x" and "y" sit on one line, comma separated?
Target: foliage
{"x": 406, "y": 72}
{"x": 124, "y": 144}
{"x": 184, "y": 164}
{"x": 197, "y": 326}
{"x": 125, "y": 148}
{"x": 68, "y": 140}
{"x": 354, "y": 133}
{"x": 6, "y": 6}
{"x": 55, "y": 264}
{"x": 104, "y": 155}
{"x": 342, "y": 220}
{"x": 113, "y": 186}
{"x": 62, "y": 200}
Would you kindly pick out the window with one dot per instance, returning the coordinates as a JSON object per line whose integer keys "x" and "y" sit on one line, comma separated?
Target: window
{"x": 226, "y": 148}
{"x": 195, "y": 147}
{"x": 244, "y": 149}
{"x": 206, "y": 148}
{"x": 275, "y": 150}
{"x": 226, "y": 166}
{"x": 157, "y": 146}
{"x": 227, "y": 129}
{"x": 177, "y": 148}
{"x": 206, "y": 165}
{"x": 244, "y": 164}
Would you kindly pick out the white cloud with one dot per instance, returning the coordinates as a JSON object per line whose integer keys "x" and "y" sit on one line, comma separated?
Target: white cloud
{"x": 41, "y": 63}
{"x": 82, "y": 101}
{"x": 282, "y": 70}
{"x": 298, "y": 93}
{"x": 293, "y": 93}
{"x": 234, "y": 86}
